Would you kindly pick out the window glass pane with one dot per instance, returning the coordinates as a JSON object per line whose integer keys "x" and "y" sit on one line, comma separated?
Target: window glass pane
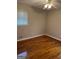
{"x": 22, "y": 18}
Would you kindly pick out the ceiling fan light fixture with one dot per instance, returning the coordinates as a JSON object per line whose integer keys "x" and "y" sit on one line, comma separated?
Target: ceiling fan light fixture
{"x": 45, "y": 6}
{"x": 49, "y": 6}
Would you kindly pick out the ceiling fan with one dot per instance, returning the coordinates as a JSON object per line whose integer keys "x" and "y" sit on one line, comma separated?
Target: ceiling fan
{"x": 49, "y": 4}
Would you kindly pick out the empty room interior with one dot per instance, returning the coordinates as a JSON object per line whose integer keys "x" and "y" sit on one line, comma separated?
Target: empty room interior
{"x": 38, "y": 29}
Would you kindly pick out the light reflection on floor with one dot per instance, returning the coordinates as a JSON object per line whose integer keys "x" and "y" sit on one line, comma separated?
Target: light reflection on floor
{"x": 22, "y": 55}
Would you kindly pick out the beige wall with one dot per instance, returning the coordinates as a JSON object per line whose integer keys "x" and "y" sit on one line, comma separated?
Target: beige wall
{"x": 36, "y": 24}
{"x": 40, "y": 22}
{"x": 54, "y": 23}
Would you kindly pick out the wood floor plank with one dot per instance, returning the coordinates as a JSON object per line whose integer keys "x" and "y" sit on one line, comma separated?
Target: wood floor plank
{"x": 42, "y": 47}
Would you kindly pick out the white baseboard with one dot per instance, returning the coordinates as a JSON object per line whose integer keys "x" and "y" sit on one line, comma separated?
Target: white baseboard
{"x": 38, "y": 36}
{"x": 30, "y": 37}
{"x": 53, "y": 37}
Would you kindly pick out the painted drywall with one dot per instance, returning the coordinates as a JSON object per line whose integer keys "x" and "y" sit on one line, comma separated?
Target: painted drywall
{"x": 36, "y": 25}
{"x": 40, "y": 22}
{"x": 54, "y": 24}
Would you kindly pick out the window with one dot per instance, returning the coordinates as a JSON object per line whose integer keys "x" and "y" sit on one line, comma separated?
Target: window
{"x": 22, "y": 18}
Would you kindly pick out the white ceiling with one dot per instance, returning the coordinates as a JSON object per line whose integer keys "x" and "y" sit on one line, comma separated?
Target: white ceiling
{"x": 40, "y": 3}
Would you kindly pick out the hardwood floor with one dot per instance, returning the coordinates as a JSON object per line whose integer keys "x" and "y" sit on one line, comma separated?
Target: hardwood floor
{"x": 42, "y": 47}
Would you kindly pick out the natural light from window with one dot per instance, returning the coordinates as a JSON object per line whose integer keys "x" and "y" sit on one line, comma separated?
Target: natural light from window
{"x": 22, "y": 19}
